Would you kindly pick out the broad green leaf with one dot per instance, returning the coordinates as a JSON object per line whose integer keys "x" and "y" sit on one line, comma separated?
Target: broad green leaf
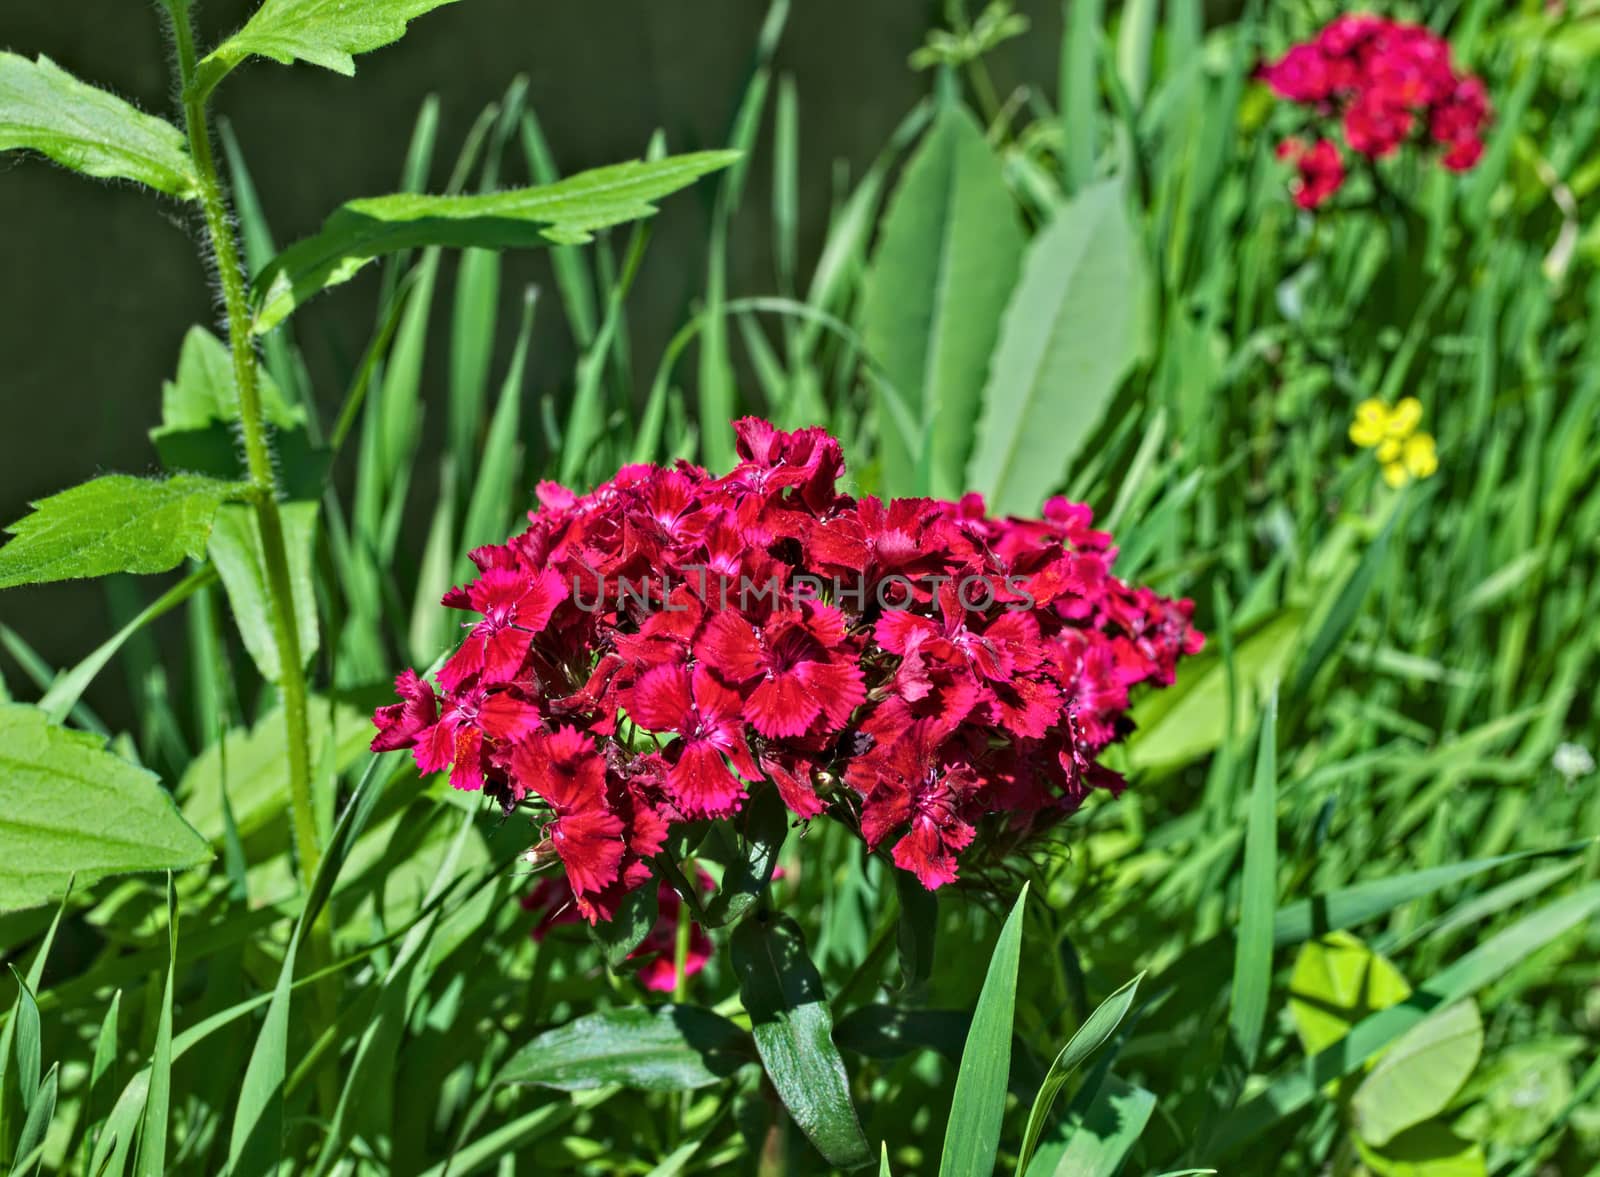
{"x": 236, "y": 551}
{"x": 972, "y": 1137}
{"x": 651, "y": 1048}
{"x": 1428, "y": 1150}
{"x": 256, "y": 1144}
{"x": 1087, "y": 1039}
{"x": 73, "y": 808}
{"x": 1419, "y": 1075}
{"x": 116, "y": 523}
{"x": 45, "y": 109}
{"x": 258, "y": 788}
{"x": 1190, "y": 718}
{"x": 323, "y": 32}
{"x": 1072, "y": 331}
{"x": 1338, "y": 981}
{"x": 566, "y": 212}
{"x": 1095, "y": 1142}
{"x": 1252, "y": 965}
{"x": 938, "y": 283}
{"x": 789, "y": 1018}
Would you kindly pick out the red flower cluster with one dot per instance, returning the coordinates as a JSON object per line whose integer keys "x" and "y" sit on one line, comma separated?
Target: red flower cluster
{"x": 1387, "y": 81}
{"x": 645, "y": 652}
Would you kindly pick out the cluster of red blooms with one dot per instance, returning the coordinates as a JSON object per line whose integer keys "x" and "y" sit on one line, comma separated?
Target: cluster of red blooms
{"x": 1387, "y": 82}
{"x": 643, "y": 653}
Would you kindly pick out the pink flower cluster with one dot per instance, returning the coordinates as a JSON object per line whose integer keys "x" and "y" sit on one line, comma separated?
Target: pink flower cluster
{"x": 644, "y": 653}
{"x": 1387, "y": 82}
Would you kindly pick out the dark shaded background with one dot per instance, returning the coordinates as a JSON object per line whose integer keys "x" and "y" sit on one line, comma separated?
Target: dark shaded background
{"x": 100, "y": 281}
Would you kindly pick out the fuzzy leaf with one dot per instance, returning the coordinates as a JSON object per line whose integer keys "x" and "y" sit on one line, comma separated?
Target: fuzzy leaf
{"x": 45, "y": 109}
{"x": 117, "y": 523}
{"x": 566, "y": 212}
{"x": 323, "y": 32}
{"x": 72, "y": 807}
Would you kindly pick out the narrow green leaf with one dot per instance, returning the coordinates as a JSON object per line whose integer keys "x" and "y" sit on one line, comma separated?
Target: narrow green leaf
{"x": 567, "y": 212}
{"x": 1346, "y": 608}
{"x": 1252, "y": 962}
{"x": 972, "y": 1137}
{"x": 789, "y": 1017}
{"x": 103, "y": 1068}
{"x": 41, "y": 1110}
{"x": 650, "y": 1048}
{"x": 494, "y": 492}
{"x": 625, "y": 931}
{"x": 763, "y": 824}
{"x": 1080, "y": 114}
{"x": 45, "y": 109}
{"x": 432, "y": 630}
{"x": 65, "y": 692}
{"x": 1088, "y": 1038}
{"x": 1072, "y": 331}
{"x": 256, "y": 1144}
{"x": 74, "y": 808}
{"x": 916, "y": 933}
{"x": 237, "y": 553}
{"x": 151, "y": 1160}
{"x": 1417, "y": 1077}
{"x": 30, "y": 1057}
{"x": 946, "y": 261}
{"x": 1096, "y": 1142}
{"x": 116, "y": 523}
{"x": 323, "y": 32}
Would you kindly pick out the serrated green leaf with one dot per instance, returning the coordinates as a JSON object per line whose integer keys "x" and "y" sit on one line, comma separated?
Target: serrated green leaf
{"x": 566, "y": 212}
{"x": 1073, "y": 330}
{"x": 116, "y": 523}
{"x": 1420, "y": 1074}
{"x": 793, "y": 1029}
{"x": 972, "y": 1137}
{"x": 72, "y": 807}
{"x": 650, "y": 1048}
{"x": 236, "y": 551}
{"x": 323, "y": 32}
{"x": 45, "y": 109}
{"x": 949, "y": 254}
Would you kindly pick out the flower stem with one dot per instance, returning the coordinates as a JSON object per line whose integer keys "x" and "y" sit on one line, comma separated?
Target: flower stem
{"x": 258, "y": 455}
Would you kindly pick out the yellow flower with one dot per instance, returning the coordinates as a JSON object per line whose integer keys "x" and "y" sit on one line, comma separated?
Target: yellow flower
{"x": 1406, "y": 417}
{"x": 1392, "y": 435}
{"x": 1370, "y": 424}
{"x": 1419, "y": 457}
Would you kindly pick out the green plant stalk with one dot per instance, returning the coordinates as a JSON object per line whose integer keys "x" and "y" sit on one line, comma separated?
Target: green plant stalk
{"x": 258, "y": 456}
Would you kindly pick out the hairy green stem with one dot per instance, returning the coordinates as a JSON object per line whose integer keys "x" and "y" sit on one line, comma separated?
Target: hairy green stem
{"x": 258, "y": 455}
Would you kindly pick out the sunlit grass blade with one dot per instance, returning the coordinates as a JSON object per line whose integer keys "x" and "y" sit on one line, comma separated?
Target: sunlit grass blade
{"x": 1088, "y": 1038}
{"x": 1252, "y": 968}
{"x": 151, "y": 1160}
{"x": 977, "y": 1111}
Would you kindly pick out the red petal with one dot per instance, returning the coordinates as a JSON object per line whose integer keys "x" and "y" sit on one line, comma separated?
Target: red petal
{"x": 660, "y": 700}
{"x": 731, "y": 647}
{"x": 783, "y": 706}
{"x": 503, "y": 716}
{"x": 702, "y": 785}
{"x": 590, "y": 845}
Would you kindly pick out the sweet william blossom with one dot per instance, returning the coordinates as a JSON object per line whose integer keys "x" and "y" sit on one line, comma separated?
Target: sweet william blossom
{"x": 647, "y": 654}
